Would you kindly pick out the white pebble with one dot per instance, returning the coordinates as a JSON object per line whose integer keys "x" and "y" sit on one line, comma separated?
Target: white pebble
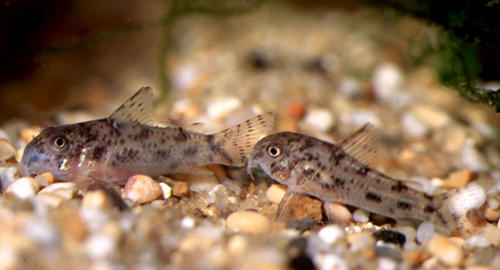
{"x": 248, "y": 221}
{"x": 388, "y": 82}
{"x": 188, "y": 223}
{"x": 414, "y": 127}
{"x": 275, "y": 193}
{"x": 319, "y": 119}
{"x": 386, "y": 264}
{"x": 349, "y": 87}
{"x": 330, "y": 233}
{"x": 41, "y": 231}
{"x": 222, "y": 107}
{"x": 166, "y": 190}
{"x": 472, "y": 159}
{"x": 100, "y": 245}
{"x": 330, "y": 261}
{"x": 477, "y": 242}
{"x": 23, "y": 188}
{"x": 361, "y": 216}
{"x": 8, "y": 256}
{"x": 66, "y": 190}
{"x": 359, "y": 118}
{"x": 7, "y": 150}
{"x": 473, "y": 196}
{"x": 142, "y": 189}
{"x": 7, "y": 175}
{"x": 493, "y": 203}
{"x": 185, "y": 76}
{"x": 425, "y": 232}
{"x": 408, "y": 231}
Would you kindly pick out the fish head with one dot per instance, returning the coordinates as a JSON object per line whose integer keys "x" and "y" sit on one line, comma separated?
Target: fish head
{"x": 275, "y": 155}
{"x": 58, "y": 150}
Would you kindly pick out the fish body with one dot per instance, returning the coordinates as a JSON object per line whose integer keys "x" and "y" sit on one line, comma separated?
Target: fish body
{"x": 326, "y": 171}
{"x": 114, "y": 148}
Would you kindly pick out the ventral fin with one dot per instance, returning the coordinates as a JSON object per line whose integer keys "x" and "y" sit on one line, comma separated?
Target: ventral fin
{"x": 363, "y": 144}
{"x": 138, "y": 108}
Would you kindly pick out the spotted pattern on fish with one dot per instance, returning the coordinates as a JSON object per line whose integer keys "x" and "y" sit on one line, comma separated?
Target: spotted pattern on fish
{"x": 326, "y": 171}
{"x": 114, "y": 148}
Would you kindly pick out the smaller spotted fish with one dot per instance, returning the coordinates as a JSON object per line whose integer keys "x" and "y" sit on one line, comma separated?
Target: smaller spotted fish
{"x": 338, "y": 173}
{"x": 126, "y": 143}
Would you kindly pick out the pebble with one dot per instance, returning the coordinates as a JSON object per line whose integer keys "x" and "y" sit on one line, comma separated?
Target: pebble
{"x": 7, "y": 176}
{"x": 471, "y": 197}
{"x": 23, "y": 188}
{"x": 431, "y": 116}
{"x": 275, "y": 193}
{"x": 330, "y": 233}
{"x": 388, "y": 81}
{"x": 100, "y": 245}
{"x": 361, "y": 216}
{"x": 458, "y": 179}
{"x": 296, "y": 108}
{"x": 360, "y": 241}
{"x": 472, "y": 158}
{"x": 45, "y": 179}
{"x": 41, "y": 231}
{"x": 493, "y": 201}
{"x": 337, "y": 213}
{"x": 187, "y": 223}
{"x": 350, "y": 87}
{"x": 319, "y": 119}
{"x": 237, "y": 245}
{"x": 409, "y": 232}
{"x": 248, "y": 221}
{"x": 221, "y": 107}
{"x": 166, "y": 190}
{"x": 477, "y": 241}
{"x": 359, "y": 118}
{"x": 180, "y": 189}
{"x": 415, "y": 257}
{"x": 425, "y": 232}
{"x": 49, "y": 199}
{"x": 414, "y": 127}
{"x": 303, "y": 206}
{"x": 28, "y": 134}
{"x": 66, "y": 190}
{"x": 491, "y": 215}
{"x": 330, "y": 261}
{"x": 96, "y": 198}
{"x": 386, "y": 264}
{"x": 445, "y": 251}
{"x": 142, "y": 189}
{"x": 7, "y": 150}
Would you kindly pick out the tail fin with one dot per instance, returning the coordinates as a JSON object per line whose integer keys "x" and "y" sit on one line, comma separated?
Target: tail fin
{"x": 455, "y": 204}
{"x": 237, "y": 142}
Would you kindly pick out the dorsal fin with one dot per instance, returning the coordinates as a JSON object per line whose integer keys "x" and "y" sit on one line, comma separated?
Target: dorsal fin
{"x": 362, "y": 144}
{"x": 138, "y": 108}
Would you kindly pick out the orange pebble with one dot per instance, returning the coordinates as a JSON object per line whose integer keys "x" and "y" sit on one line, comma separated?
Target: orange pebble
{"x": 296, "y": 108}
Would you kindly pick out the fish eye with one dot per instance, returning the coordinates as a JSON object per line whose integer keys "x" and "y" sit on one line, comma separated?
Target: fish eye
{"x": 273, "y": 151}
{"x": 59, "y": 142}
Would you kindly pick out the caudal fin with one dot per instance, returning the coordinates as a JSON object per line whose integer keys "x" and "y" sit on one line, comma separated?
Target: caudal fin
{"x": 237, "y": 141}
{"x": 455, "y": 204}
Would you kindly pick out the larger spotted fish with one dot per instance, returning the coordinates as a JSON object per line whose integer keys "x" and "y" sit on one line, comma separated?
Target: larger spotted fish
{"x": 114, "y": 148}
{"x": 338, "y": 173}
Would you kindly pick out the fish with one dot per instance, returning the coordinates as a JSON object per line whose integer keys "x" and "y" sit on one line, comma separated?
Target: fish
{"x": 128, "y": 142}
{"x": 339, "y": 173}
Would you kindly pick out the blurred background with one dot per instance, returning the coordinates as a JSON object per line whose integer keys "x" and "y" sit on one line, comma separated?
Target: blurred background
{"x": 82, "y": 53}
